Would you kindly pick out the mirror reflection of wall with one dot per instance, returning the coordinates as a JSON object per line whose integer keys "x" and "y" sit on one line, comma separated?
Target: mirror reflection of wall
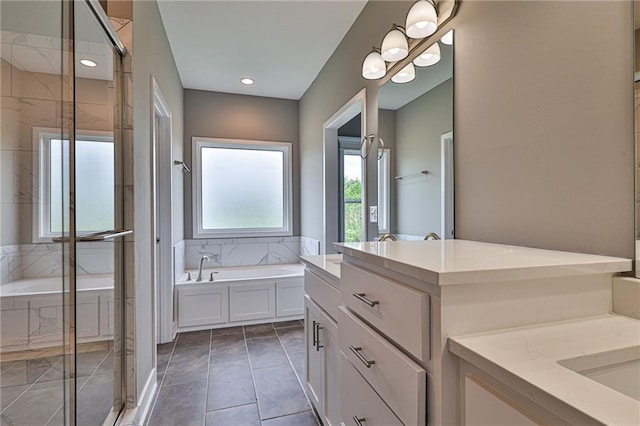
{"x": 636, "y": 6}
{"x": 415, "y": 120}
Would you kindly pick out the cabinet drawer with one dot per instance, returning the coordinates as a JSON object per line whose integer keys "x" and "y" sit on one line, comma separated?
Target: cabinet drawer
{"x": 397, "y": 379}
{"x": 323, "y": 293}
{"x": 360, "y": 401}
{"x": 398, "y": 311}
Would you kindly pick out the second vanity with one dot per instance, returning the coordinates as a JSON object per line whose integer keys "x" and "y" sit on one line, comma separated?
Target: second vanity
{"x": 401, "y": 302}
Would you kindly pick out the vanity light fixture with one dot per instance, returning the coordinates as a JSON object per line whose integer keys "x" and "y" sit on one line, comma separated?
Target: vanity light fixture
{"x": 405, "y": 75}
{"x": 422, "y": 19}
{"x": 374, "y": 66}
{"x": 88, "y": 63}
{"x": 395, "y": 46}
{"x": 447, "y": 38}
{"x": 247, "y": 81}
{"x": 429, "y": 57}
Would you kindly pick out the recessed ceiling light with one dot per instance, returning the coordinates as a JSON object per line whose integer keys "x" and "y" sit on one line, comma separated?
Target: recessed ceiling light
{"x": 247, "y": 81}
{"x": 88, "y": 63}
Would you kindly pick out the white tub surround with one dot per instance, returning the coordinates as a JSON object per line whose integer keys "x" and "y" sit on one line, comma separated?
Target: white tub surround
{"x": 240, "y": 296}
{"x": 539, "y": 362}
{"x": 423, "y": 292}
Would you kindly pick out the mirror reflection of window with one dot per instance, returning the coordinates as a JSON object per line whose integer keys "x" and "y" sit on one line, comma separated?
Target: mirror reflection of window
{"x": 350, "y": 169}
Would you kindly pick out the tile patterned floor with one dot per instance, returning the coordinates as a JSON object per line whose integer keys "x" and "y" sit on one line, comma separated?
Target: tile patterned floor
{"x": 240, "y": 376}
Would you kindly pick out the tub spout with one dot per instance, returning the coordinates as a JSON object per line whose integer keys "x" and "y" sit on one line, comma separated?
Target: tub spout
{"x": 202, "y": 259}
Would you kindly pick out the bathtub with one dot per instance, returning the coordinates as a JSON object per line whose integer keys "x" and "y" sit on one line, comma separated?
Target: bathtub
{"x": 240, "y": 296}
{"x": 31, "y": 311}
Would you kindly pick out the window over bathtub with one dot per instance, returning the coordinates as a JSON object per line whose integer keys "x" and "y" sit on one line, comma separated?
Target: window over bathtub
{"x": 94, "y": 183}
{"x": 241, "y": 188}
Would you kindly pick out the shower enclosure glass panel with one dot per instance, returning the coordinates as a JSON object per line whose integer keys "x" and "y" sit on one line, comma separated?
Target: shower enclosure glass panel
{"x": 61, "y": 158}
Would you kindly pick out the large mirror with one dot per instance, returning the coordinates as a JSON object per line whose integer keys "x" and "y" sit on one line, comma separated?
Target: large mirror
{"x": 415, "y": 167}
{"x": 636, "y": 13}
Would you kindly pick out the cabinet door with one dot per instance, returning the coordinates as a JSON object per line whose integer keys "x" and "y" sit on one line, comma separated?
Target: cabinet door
{"x": 252, "y": 302}
{"x": 485, "y": 405}
{"x": 203, "y": 305}
{"x": 329, "y": 340}
{"x": 314, "y": 358}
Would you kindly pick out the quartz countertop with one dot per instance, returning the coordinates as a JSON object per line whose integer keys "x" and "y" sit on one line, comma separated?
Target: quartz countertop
{"x": 447, "y": 262}
{"x": 327, "y": 262}
{"x": 530, "y": 356}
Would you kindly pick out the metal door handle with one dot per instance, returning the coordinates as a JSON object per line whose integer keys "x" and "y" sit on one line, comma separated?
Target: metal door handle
{"x": 356, "y": 351}
{"x": 105, "y": 235}
{"x": 314, "y": 333}
{"x": 360, "y": 296}
{"x": 358, "y": 420}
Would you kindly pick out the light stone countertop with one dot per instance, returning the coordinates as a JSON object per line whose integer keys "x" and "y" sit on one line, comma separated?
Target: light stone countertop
{"x": 447, "y": 262}
{"x": 530, "y": 356}
{"x": 327, "y": 262}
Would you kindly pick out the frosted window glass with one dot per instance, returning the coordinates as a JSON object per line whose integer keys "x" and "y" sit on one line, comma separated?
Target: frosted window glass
{"x": 95, "y": 185}
{"x": 242, "y": 188}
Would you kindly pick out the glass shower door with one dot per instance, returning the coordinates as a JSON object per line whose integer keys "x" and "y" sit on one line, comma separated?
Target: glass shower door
{"x": 96, "y": 195}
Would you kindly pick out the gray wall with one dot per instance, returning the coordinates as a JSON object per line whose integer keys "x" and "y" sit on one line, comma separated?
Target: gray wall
{"x": 419, "y": 126}
{"x": 543, "y": 132}
{"x": 225, "y": 115}
{"x": 152, "y": 57}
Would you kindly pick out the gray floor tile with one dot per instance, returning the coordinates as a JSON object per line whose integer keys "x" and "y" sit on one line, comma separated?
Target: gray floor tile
{"x": 279, "y": 392}
{"x": 228, "y": 348}
{"x": 292, "y": 339}
{"x": 182, "y": 405}
{"x": 34, "y": 407}
{"x": 87, "y": 363}
{"x": 259, "y": 330}
{"x": 27, "y": 372}
{"x": 57, "y": 419}
{"x": 285, "y": 324}
{"x": 246, "y": 415}
{"x": 301, "y": 419}
{"x": 8, "y": 395}
{"x": 226, "y": 330}
{"x": 95, "y": 400}
{"x": 266, "y": 352}
{"x": 164, "y": 353}
{"x": 298, "y": 361}
{"x": 194, "y": 338}
{"x": 230, "y": 385}
{"x": 188, "y": 364}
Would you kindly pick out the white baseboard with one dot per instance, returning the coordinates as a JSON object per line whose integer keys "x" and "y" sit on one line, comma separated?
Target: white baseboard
{"x": 138, "y": 415}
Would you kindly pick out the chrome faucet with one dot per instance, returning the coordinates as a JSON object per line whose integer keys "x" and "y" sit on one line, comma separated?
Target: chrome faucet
{"x": 432, "y": 236}
{"x": 388, "y": 237}
{"x": 202, "y": 259}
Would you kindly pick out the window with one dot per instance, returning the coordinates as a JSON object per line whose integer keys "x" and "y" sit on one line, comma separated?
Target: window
{"x": 384, "y": 192}
{"x": 350, "y": 189}
{"x": 242, "y": 188}
{"x": 94, "y": 183}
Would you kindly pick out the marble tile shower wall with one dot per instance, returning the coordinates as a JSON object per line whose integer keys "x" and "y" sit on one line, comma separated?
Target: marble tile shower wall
{"x": 246, "y": 251}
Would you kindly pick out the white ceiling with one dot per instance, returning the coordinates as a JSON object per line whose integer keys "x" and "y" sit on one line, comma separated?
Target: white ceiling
{"x": 282, "y": 45}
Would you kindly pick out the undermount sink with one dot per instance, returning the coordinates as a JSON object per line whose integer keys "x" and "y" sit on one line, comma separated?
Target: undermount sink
{"x": 618, "y": 369}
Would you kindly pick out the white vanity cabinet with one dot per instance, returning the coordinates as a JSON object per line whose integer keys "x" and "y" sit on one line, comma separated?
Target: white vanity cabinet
{"x": 322, "y": 360}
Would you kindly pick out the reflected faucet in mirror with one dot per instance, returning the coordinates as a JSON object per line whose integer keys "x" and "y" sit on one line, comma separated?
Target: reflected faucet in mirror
{"x": 388, "y": 237}
{"x": 431, "y": 236}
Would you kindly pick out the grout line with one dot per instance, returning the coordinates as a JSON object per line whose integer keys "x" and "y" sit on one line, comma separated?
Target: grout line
{"x": 206, "y": 392}
{"x": 253, "y": 379}
{"x": 159, "y": 388}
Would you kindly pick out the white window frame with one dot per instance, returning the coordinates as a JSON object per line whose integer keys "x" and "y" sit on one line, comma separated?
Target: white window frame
{"x": 384, "y": 192}
{"x": 42, "y": 185}
{"x": 198, "y": 143}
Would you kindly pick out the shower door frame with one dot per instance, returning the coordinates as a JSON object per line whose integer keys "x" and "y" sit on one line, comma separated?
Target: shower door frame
{"x": 71, "y": 253}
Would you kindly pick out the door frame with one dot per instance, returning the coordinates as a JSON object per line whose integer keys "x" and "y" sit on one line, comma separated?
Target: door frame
{"x": 162, "y": 221}
{"x": 330, "y": 220}
{"x": 447, "y": 227}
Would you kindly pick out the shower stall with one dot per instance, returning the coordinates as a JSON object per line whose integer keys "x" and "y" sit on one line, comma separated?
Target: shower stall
{"x": 61, "y": 214}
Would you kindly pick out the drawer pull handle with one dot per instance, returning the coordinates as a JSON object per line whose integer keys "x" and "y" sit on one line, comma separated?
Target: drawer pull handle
{"x": 360, "y": 296}
{"x": 315, "y": 339}
{"x": 356, "y": 351}
{"x": 358, "y": 420}
{"x": 317, "y": 333}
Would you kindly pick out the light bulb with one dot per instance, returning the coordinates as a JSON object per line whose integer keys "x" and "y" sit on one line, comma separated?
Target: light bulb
{"x": 405, "y": 75}
{"x": 394, "y": 46}
{"x": 447, "y": 38}
{"x": 431, "y": 56}
{"x": 422, "y": 19}
{"x": 88, "y": 63}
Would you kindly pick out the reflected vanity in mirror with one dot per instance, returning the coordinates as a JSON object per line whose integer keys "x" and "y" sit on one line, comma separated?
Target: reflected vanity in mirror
{"x": 415, "y": 171}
